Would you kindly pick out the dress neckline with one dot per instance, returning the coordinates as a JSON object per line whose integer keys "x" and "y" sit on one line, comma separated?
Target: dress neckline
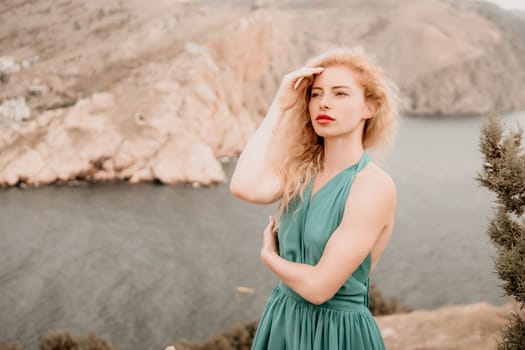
{"x": 311, "y": 196}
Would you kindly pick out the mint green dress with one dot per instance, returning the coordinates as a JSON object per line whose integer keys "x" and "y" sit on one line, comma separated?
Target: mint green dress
{"x": 288, "y": 321}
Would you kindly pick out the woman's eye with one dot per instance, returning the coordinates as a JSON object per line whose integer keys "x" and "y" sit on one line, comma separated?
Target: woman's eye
{"x": 339, "y": 93}
{"x": 314, "y": 94}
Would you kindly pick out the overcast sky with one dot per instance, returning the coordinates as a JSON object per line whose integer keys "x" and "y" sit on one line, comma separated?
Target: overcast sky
{"x": 510, "y": 4}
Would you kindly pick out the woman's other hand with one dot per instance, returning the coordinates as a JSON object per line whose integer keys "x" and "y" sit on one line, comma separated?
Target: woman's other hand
{"x": 270, "y": 238}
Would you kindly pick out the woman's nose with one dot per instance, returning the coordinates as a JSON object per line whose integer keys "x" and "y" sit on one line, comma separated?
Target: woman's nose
{"x": 324, "y": 103}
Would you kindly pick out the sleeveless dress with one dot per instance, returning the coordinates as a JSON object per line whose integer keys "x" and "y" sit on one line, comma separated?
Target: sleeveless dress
{"x": 290, "y": 322}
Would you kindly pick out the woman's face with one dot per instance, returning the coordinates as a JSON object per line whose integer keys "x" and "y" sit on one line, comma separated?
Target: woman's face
{"x": 337, "y": 105}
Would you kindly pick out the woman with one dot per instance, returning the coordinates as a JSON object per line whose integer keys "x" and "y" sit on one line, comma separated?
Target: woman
{"x": 337, "y": 206}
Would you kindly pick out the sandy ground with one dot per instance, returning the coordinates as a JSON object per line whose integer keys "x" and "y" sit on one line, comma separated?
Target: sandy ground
{"x": 468, "y": 327}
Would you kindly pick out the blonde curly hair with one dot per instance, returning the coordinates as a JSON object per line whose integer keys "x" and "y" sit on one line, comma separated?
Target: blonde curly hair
{"x": 303, "y": 149}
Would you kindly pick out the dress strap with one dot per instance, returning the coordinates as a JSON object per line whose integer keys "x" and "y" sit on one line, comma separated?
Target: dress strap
{"x": 363, "y": 161}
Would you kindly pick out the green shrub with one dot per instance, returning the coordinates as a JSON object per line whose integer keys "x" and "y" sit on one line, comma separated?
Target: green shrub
{"x": 379, "y": 305}
{"x": 504, "y": 174}
{"x": 67, "y": 341}
{"x": 239, "y": 338}
{"x": 513, "y": 335}
{"x": 4, "y": 346}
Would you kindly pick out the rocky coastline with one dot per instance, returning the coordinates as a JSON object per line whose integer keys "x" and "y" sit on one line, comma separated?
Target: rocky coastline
{"x": 137, "y": 93}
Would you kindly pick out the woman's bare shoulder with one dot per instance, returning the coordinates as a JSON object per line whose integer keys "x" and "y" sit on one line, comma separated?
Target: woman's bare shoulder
{"x": 373, "y": 183}
{"x": 374, "y": 174}
{"x": 371, "y": 202}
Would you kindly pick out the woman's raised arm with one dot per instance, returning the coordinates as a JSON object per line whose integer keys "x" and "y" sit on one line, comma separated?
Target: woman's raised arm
{"x": 256, "y": 177}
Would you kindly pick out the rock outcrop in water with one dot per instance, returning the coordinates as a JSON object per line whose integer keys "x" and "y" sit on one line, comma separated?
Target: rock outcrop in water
{"x": 145, "y": 91}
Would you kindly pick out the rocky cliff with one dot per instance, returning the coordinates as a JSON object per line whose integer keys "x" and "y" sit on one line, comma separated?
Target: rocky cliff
{"x": 142, "y": 91}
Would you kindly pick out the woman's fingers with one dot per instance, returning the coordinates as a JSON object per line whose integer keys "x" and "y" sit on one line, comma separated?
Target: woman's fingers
{"x": 271, "y": 223}
{"x": 298, "y": 76}
{"x": 292, "y": 85}
{"x": 269, "y": 227}
{"x": 272, "y": 226}
{"x": 307, "y": 71}
{"x": 302, "y": 83}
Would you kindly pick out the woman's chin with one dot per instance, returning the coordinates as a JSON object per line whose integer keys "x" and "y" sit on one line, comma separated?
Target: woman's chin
{"x": 323, "y": 132}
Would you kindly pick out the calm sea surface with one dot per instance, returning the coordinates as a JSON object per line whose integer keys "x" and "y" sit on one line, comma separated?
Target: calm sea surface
{"x": 144, "y": 265}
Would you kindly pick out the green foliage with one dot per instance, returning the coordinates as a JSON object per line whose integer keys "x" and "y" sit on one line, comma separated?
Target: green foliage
{"x": 513, "y": 336}
{"x": 504, "y": 231}
{"x": 504, "y": 165}
{"x": 4, "y": 346}
{"x": 4, "y": 79}
{"x": 504, "y": 174}
{"x": 380, "y": 305}
{"x": 67, "y": 341}
{"x": 510, "y": 266}
{"x": 239, "y": 338}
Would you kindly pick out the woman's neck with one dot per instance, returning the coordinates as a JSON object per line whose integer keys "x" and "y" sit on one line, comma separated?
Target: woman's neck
{"x": 340, "y": 153}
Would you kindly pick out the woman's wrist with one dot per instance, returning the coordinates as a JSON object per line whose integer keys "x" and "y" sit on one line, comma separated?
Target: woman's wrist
{"x": 271, "y": 121}
{"x": 267, "y": 255}
{"x": 276, "y": 109}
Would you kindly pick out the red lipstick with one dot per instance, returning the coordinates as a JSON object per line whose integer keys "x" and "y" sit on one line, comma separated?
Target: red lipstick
{"x": 324, "y": 119}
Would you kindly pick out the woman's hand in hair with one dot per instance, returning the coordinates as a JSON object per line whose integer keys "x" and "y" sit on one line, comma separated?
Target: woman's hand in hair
{"x": 292, "y": 87}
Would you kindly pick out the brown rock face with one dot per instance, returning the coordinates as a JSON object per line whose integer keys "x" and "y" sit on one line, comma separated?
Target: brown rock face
{"x": 137, "y": 91}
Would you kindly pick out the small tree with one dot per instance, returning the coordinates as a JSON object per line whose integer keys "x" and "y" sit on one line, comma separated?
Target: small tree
{"x": 504, "y": 174}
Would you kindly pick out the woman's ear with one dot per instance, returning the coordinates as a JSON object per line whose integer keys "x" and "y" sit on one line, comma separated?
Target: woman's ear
{"x": 370, "y": 110}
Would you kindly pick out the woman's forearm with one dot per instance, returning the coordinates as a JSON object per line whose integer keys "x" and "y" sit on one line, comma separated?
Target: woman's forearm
{"x": 254, "y": 166}
{"x": 302, "y": 278}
